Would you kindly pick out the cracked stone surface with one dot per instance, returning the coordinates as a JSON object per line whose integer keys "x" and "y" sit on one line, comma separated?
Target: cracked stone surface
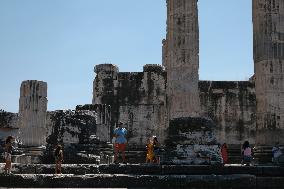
{"x": 32, "y": 112}
{"x": 181, "y": 59}
{"x": 166, "y": 176}
{"x": 268, "y": 31}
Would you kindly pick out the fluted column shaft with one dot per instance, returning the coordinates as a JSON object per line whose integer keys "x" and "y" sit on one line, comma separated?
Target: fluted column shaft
{"x": 181, "y": 58}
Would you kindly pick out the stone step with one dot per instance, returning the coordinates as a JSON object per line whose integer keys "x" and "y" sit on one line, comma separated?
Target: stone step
{"x": 235, "y": 181}
{"x": 149, "y": 169}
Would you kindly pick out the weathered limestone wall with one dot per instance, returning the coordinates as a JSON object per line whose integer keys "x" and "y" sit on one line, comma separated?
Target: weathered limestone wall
{"x": 83, "y": 133}
{"x": 232, "y": 107}
{"x": 144, "y": 121}
{"x": 32, "y": 112}
{"x": 8, "y": 119}
{"x": 77, "y": 126}
{"x": 138, "y": 99}
{"x": 191, "y": 140}
{"x": 181, "y": 58}
{"x": 268, "y": 30}
{"x": 105, "y": 88}
{"x": 142, "y": 103}
{"x": 103, "y": 119}
{"x": 8, "y": 124}
{"x": 141, "y": 99}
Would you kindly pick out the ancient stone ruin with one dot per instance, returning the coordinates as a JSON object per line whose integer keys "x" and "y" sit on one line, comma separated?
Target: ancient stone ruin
{"x": 32, "y": 112}
{"x": 190, "y": 117}
{"x": 268, "y": 30}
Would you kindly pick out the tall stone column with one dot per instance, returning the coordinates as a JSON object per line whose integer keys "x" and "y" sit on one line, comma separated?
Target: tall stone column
{"x": 32, "y": 112}
{"x": 181, "y": 58}
{"x": 268, "y": 30}
{"x": 189, "y": 134}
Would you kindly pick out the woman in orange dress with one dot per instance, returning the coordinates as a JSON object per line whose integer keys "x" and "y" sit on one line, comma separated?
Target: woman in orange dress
{"x": 150, "y": 152}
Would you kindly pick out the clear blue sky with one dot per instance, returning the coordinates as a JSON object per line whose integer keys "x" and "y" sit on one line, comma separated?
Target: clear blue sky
{"x": 60, "y": 41}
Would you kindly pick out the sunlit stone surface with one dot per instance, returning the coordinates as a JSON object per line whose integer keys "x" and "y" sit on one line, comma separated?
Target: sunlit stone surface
{"x": 32, "y": 112}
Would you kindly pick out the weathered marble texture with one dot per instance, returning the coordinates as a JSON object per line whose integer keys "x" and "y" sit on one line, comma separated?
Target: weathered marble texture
{"x": 192, "y": 141}
{"x": 105, "y": 88}
{"x": 181, "y": 56}
{"x": 232, "y": 107}
{"x": 138, "y": 99}
{"x": 268, "y": 30}
{"x": 141, "y": 104}
{"x": 143, "y": 122}
{"x": 102, "y": 114}
{"x": 76, "y": 126}
{"x": 147, "y": 100}
{"x": 8, "y": 119}
{"x": 32, "y": 112}
{"x": 83, "y": 132}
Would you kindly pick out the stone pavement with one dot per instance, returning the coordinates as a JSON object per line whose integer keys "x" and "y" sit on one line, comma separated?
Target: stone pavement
{"x": 144, "y": 176}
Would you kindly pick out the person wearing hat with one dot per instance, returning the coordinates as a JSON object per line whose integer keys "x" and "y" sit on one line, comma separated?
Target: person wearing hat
{"x": 120, "y": 142}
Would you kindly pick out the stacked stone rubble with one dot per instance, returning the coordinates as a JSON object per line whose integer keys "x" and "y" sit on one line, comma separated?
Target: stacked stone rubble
{"x": 191, "y": 141}
{"x": 83, "y": 132}
{"x": 102, "y": 114}
{"x": 232, "y": 107}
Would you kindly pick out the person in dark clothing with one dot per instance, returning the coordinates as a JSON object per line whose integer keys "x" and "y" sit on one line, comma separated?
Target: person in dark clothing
{"x": 58, "y": 154}
{"x": 156, "y": 145}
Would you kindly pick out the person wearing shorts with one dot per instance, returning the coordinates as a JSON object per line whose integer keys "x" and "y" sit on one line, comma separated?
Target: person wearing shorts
{"x": 120, "y": 142}
{"x": 8, "y": 154}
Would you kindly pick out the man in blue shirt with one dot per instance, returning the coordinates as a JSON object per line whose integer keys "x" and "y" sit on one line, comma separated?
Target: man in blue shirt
{"x": 120, "y": 142}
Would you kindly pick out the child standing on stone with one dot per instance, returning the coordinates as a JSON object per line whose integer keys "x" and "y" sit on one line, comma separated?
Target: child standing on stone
{"x": 58, "y": 154}
{"x": 8, "y": 155}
